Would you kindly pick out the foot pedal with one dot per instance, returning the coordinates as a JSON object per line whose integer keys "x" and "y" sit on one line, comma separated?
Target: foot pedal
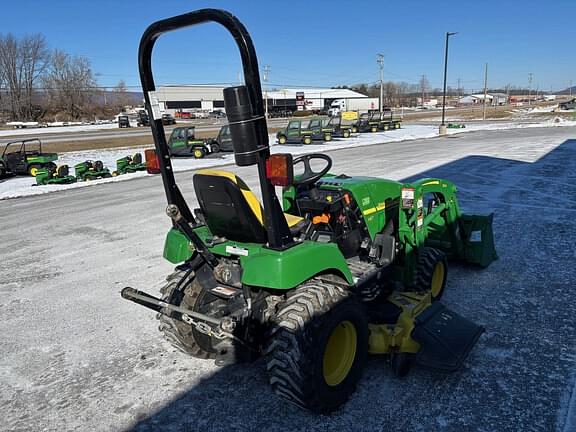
{"x": 445, "y": 337}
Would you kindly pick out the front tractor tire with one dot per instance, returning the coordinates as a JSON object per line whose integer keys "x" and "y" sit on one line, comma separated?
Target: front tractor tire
{"x": 431, "y": 272}
{"x": 317, "y": 346}
{"x": 199, "y": 153}
{"x": 184, "y": 290}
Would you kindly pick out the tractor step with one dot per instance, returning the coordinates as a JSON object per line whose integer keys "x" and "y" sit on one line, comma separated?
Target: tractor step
{"x": 445, "y": 338}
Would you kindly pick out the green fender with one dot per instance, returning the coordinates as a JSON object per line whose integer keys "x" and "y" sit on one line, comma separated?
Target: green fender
{"x": 293, "y": 266}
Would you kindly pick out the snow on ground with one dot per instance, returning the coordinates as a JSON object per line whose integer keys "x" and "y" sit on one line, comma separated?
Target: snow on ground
{"x": 23, "y": 186}
{"x": 58, "y": 129}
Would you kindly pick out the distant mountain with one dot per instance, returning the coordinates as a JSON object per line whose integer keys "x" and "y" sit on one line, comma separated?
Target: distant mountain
{"x": 567, "y": 91}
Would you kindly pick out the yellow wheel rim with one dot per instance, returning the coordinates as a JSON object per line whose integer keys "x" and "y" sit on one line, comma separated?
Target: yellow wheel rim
{"x": 33, "y": 172}
{"x": 197, "y": 154}
{"x": 307, "y": 140}
{"x": 339, "y": 353}
{"x": 437, "y": 279}
{"x": 282, "y": 140}
{"x": 328, "y": 137}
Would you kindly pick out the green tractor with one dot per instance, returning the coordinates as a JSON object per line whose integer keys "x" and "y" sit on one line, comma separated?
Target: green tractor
{"x": 388, "y": 121}
{"x": 320, "y": 131}
{"x": 60, "y": 175}
{"x": 339, "y": 130}
{"x": 183, "y": 142}
{"x": 294, "y": 133}
{"x": 25, "y": 158}
{"x": 91, "y": 170}
{"x": 456, "y": 126}
{"x": 350, "y": 266}
{"x": 129, "y": 164}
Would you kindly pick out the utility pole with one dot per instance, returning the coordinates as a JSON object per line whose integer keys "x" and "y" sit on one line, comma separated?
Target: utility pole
{"x": 380, "y": 61}
{"x": 443, "y": 125}
{"x": 570, "y": 87}
{"x": 459, "y": 95}
{"x": 423, "y": 87}
{"x": 530, "y": 76}
{"x": 485, "y": 91}
{"x": 266, "y": 76}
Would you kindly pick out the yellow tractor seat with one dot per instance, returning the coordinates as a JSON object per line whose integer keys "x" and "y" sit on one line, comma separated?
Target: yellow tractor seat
{"x": 232, "y": 210}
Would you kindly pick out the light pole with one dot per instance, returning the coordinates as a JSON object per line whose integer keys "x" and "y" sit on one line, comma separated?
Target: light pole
{"x": 443, "y": 126}
{"x": 266, "y": 74}
{"x": 380, "y": 62}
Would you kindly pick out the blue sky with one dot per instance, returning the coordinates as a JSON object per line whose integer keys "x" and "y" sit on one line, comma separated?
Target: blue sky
{"x": 319, "y": 43}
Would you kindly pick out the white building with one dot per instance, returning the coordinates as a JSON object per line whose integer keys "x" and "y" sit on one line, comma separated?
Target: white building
{"x": 193, "y": 98}
{"x": 491, "y": 99}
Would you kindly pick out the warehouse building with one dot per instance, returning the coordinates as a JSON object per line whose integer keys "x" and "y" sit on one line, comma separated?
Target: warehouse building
{"x": 204, "y": 98}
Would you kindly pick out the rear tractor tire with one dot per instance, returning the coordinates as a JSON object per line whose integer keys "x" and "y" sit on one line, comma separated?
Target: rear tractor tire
{"x": 317, "y": 347}
{"x": 431, "y": 272}
{"x": 183, "y": 290}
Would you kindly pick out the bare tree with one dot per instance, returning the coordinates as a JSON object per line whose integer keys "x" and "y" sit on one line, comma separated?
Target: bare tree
{"x": 121, "y": 96}
{"x": 22, "y": 62}
{"x": 70, "y": 84}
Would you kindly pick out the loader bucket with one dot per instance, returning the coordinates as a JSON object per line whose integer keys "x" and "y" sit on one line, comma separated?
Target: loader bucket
{"x": 478, "y": 239}
{"x": 445, "y": 338}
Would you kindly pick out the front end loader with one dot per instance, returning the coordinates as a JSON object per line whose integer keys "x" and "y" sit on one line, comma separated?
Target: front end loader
{"x": 347, "y": 267}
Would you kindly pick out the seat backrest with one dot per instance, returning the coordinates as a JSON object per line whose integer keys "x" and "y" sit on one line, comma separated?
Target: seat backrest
{"x": 230, "y": 208}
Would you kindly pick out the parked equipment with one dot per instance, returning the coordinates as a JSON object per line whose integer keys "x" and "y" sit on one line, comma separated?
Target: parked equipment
{"x": 124, "y": 121}
{"x": 25, "y": 157}
{"x": 389, "y": 121}
{"x": 60, "y": 175}
{"x": 339, "y": 130}
{"x": 143, "y": 119}
{"x": 456, "y": 125}
{"x": 355, "y": 265}
{"x": 320, "y": 132}
{"x": 367, "y": 122}
{"x": 183, "y": 142}
{"x": 129, "y": 164}
{"x": 294, "y": 133}
{"x": 223, "y": 142}
{"x": 91, "y": 170}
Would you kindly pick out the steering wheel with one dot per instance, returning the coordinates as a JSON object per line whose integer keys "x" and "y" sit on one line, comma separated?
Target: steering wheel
{"x": 309, "y": 176}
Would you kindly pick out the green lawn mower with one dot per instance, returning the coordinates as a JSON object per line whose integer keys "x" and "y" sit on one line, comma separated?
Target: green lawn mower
{"x": 91, "y": 170}
{"x": 60, "y": 175}
{"x": 25, "y": 158}
{"x": 350, "y": 266}
{"x": 129, "y": 164}
{"x": 294, "y": 133}
{"x": 456, "y": 125}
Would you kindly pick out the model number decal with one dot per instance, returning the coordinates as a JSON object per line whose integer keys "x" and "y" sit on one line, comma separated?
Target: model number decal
{"x": 235, "y": 250}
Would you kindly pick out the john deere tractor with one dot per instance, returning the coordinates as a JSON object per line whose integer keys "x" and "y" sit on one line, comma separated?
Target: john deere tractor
{"x": 350, "y": 265}
{"x": 25, "y": 158}
{"x": 129, "y": 164}
{"x": 60, "y": 175}
{"x": 91, "y": 170}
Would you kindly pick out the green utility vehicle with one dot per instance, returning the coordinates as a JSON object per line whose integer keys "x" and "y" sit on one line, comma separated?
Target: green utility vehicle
{"x": 223, "y": 142}
{"x": 183, "y": 142}
{"x": 60, "y": 175}
{"x": 351, "y": 266}
{"x": 339, "y": 130}
{"x": 320, "y": 132}
{"x": 367, "y": 122}
{"x": 294, "y": 133}
{"x": 129, "y": 164}
{"x": 389, "y": 121}
{"x": 91, "y": 170}
{"x": 25, "y": 158}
